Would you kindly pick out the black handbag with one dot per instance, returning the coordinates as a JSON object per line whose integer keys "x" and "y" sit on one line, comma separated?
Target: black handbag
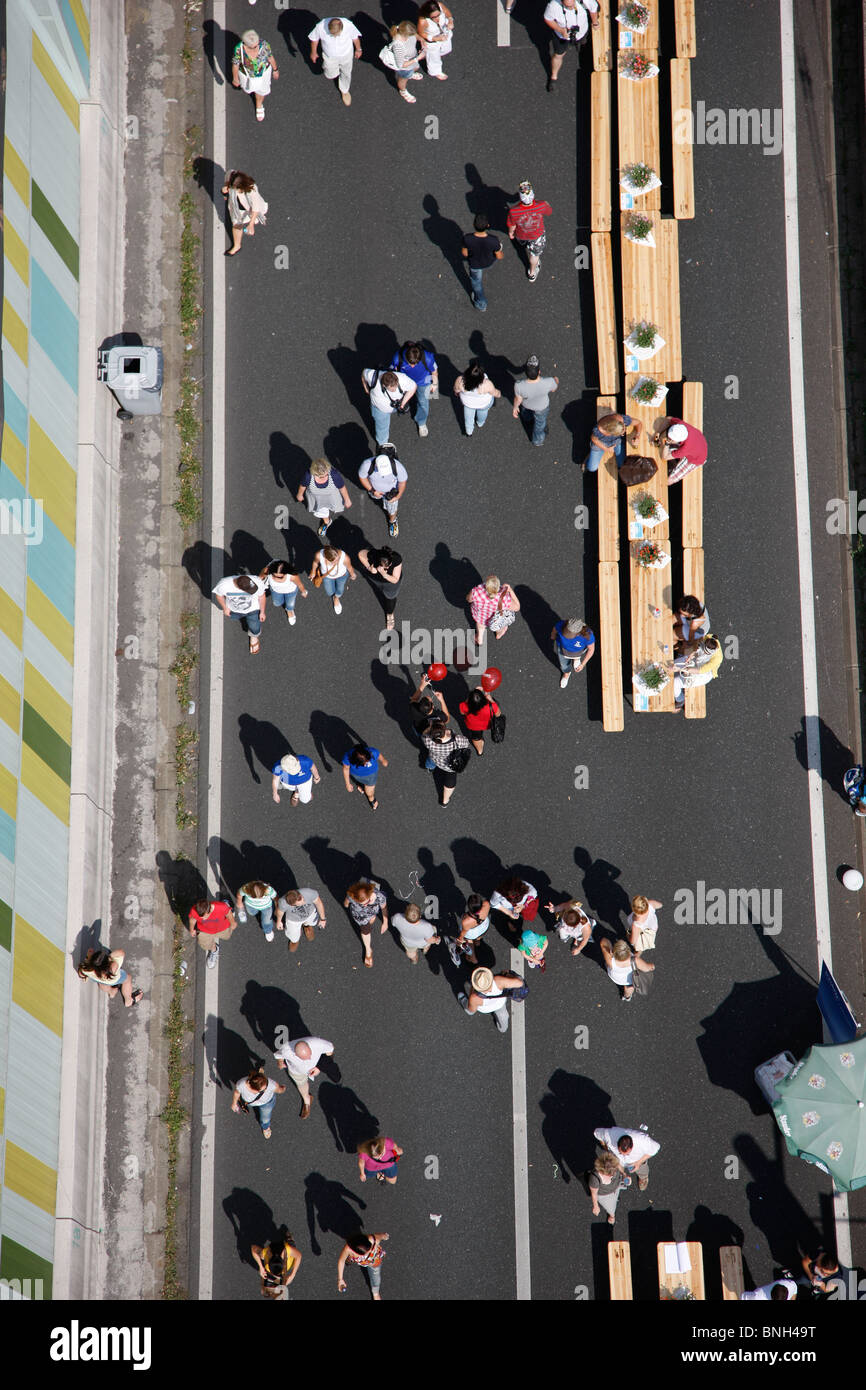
{"x": 458, "y": 759}
{"x": 497, "y": 727}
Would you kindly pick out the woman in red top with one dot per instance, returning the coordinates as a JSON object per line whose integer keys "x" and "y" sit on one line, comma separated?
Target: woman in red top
{"x": 477, "y": 712}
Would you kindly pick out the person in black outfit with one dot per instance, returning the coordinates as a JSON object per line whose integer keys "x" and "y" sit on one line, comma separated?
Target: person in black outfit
{"x": 384, "y": 569}
{"x": 480, "y": 249}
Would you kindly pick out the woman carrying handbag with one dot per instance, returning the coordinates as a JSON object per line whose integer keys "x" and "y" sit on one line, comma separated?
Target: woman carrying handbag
{"x": 493, "y": 605}
{"x": 246, "y": 207}
{"x": 332, "y": 569}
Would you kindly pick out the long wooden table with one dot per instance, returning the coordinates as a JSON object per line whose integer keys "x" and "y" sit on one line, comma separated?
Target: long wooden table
{"x": 648, "y": 41}
{"x": 638, "y": 128}
{"x": 692, "y": 1279}
{"x": 650, "y": 588}
{"x": 651, "y": 290}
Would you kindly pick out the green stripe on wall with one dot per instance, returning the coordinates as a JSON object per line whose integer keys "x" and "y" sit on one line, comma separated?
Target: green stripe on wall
{"x": 48, "y": 744}
{"x": 17, "y": 1262}
{"x": 5, "y": 925}
{"x": 61, "y": 239}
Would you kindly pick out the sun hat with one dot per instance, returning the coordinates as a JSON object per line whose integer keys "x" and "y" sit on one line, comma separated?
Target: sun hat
{"x": 290, "y": 763}
{"x": 482, "y": 979}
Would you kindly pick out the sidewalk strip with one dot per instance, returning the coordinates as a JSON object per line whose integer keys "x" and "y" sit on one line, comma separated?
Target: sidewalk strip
{"x": 804, "y": 536}
{"x": 214, "y": 780}
{"x": 521, "y": 1151}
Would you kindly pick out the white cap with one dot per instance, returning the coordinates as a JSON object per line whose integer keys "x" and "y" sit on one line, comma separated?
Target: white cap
{"x": 853, "y": 879}
{"x": 677, "y": 434}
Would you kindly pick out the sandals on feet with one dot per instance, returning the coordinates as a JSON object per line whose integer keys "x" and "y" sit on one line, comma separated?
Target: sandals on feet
{"x": 255, "y": 646}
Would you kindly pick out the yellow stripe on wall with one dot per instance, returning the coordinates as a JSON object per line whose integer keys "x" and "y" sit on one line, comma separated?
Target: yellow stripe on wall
{"x": 8, "y": 792}
{"x": 14, "y": 454}
{"x": 39, "y": 693}
{"x": 11, "y": 618}
{"x": 30, "y": 1178}
{"x": 15, "y": 331}
{"x": 50, "y": 621}
{"x": 15, "y": 251}
{"x": 44, "y": 783}
{"x": 37, "y": 976}
{"x": 10, "y": 705}
{"x": 16, "y": 171}
{"x": 55, "y": 81}
{"x": 52, "y": 480}
{"x": 82, "y": 23}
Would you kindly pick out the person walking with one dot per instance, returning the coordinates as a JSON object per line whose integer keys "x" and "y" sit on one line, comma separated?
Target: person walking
{"x": 333, "y": 568}
{"x": 384, "y": 569}
{"x": 681, "y": 444}
{"x": 474, "y": 922}
{"x": 253, "y": 66}
{"x": 643, "y": 923}
{"x": 568, "y": 22}
{"x": 415, "y": 931}
{"x": 478, "y": 709}
{"x": 106, "y": 969}
{"x": 449, "y": 753}
{"x": 340, "y": 41}
{"x": 257, "y": 899}
{"x": 326, "y": 493}
{"x": 428, "y": 711}
{"x": 246, "y": 206}
{"x": 697, "y": 666}
{"x": 257, "y": 1092}
{"x": 385, "y": 478}
{"x": 622, "y": 966}
{"x": 605, "y": 1183}
{"x": 390, "y": 394}
{"x": 364, "y": 902}
{"x": 632, "y": 1148}
{"x": 480, "y": 249}
{"x": 297, "y": 772}
{"x": 277, "y": 1264}
{"x": 611, "y": 434}
{"x": 365, "y": 1251}
{"x": 301, "y": 1060}
{"x": 516, "y": 899}
{"x": 486, "y": 996}
{"x": 300, "y": 909}
{"x": 435, "y": 27}
{"x": 243, "y": 597}
{"x": 574, "y": 644}
{"x": 493, "y": 606}
{"x": 380, "y": 1158}
{"x": 572, "y": 924}
{"x": 283, "y": 583}
{"x": 402, "y": 56}
{"x": 361, "y": 765}
{"x": 532, "y": 394}
{"x": 211, "y": 921}
{"x": 420, "y": 365}
{"x": 525, "y": 225}
{"x": 476, "y": 393}
{"x": 533, "y": 945}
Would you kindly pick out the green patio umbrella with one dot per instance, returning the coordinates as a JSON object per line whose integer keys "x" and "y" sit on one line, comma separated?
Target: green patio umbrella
{"x": 821, "y": 1110}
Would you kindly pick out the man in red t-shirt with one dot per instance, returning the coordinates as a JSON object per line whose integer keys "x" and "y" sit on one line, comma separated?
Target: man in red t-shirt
{"x": 211, "y": 921}
{"x": 525, "y": 223}
{"x": 682, "y": 444}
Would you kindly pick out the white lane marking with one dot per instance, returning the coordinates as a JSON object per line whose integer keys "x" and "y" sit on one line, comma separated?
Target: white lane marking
{"x": 503, "y": 26}
{"x": 804, "y": 537}
{"x": 214, "y": 781}
{"x": 521, "y": 1150}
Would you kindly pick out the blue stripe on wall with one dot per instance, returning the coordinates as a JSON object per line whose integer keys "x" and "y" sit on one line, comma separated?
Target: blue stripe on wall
{"x": 15, "y": 411}
{"x": 7, "y": 836}
{"x": 75, "y": 39}
{"x": 51, "y": 566}
{"x": 10, "y": 488}
{"x": 53, "y": 324}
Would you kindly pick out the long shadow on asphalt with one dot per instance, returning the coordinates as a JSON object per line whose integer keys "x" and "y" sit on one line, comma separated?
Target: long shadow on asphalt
{"x": 294, "y": 26}
{"x": 182, "y": 882}
{"x": 601, "y": 891}
{"x": 252, "y": 1222}
{"x": 229, "y": 1056}
{"x": 348, "y": 1118}
{"x": 455, "y": 577}
{"x": 249, "y": 553}
{"x": 488, "y": 198}
{"x": 263, "y": 743}
{"x": 573, "y": 1108}
{"x": 646, "y": 1228}
{"x": 447, "y": 235}
{"x": 836, "y": 758}
{"x": 773, "y": 1208}
{"x": 219, "y": 45}
{"x": 332, "y": 737}
{"x": 395, "y": 691}
{"x": 267, "y": 1008}
{"x": 713, "y": 1230}
{"x": 328, "y": 1208}
{"x": 206, "y": 565}
{"x": 289, "y": 462}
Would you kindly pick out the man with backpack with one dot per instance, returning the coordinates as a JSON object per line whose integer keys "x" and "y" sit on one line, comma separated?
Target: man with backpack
{"x": 416, "y": 362}
{"x": 385, "y": 478}
{"x": 449, "y": 753}
{"x": 389, "y": 392}
{"x": 489, "y": 994}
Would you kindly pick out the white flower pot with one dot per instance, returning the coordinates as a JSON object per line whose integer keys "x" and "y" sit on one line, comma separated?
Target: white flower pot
{"x": 653, "y": 182}
{"x": 648, "y": 240}
{"x": 644, "y": 353}
{"x": 657, "y": 399}
{"x": 639, "y": 684}
{"x": 632, "y": 28}
{"x": 647, "y": 523}
{"x": 652, "y": 71}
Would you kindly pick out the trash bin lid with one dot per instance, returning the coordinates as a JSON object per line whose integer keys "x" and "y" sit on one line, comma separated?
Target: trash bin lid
{"x": 131, "y": 368}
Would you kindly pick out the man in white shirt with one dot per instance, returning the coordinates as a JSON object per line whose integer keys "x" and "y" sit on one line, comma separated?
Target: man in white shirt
{"x": 385, "y": 478}
{"x": 388, "y": 391}
{"x": 782, "y": 1291}
{"x": 568, "y": 25}
{"x": 299, "y": 1059}
{"x": 634, "y": 1149}
{"x": 340, "y": 39}
{"x": 244, "y": 597}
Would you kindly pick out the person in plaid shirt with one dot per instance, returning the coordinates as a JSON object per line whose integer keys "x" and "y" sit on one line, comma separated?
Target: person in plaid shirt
{"x": 441, "y": 743}
{"x": 492, "y": 605}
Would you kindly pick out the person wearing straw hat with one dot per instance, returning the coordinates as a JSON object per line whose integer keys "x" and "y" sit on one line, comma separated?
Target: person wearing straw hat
{"x": 296, "y": 773}
{"x": 486, "y": 996}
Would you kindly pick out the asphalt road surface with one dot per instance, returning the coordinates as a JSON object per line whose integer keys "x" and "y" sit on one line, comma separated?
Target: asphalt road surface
{"x": 371, "y": 209}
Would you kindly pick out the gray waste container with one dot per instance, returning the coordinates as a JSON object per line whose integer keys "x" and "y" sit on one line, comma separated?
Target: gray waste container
{"x": 134, "y": 375}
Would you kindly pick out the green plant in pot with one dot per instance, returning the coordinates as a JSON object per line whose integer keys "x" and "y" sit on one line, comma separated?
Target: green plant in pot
{"x": 646, "y": 506}
{"x": 646, "y": 392}
{"x": 644, "y": 334}
{"x": 639, "y": 226}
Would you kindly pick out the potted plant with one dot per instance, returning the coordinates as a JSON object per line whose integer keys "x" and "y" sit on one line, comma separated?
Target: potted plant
{"x": 648, "y": 391}
{"x": 647, "y": 507}
{"x": 639, "y": 178}
{"x": 650, "y": 679}
{"x": 648, "y": 554}
{"x": 639, "y": 228}
{"x": 634, "y": 16}
{"x": 644, "y": 340}
{"x": 635, "y": 66}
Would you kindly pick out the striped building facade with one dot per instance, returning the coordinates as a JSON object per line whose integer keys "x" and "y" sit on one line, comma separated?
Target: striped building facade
{"x": 47, "y": 76}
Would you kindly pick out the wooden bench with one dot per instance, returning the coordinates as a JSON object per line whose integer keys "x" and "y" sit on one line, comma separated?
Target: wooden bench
{"x": 684, "y": 11}
{"x": 683, "y": 150}
{"x": 651, "y": 290}
{"x": 619, "y": 1268}
{"x": 691, "y": 1279}
{"x": 600, "y": 151}
{"x": 693, "y": 483}
{"x": 638, "y": 128}
{"x": 693, "y": 583}
{"x": 650, "y": 589}
{"x": 610, "y": 645}
{"x": 608, "y": 494}
{"x": 605, "y": 314}
{"x": 602, "y": 52}
{"x": 731, "y": 1261}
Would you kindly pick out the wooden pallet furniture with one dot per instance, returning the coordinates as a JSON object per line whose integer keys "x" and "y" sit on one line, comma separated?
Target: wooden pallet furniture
{"x": 610, "y": 648}
{"x": 684, "y": 19}
{"x": 638, "y": 139}
{"x": 693, "y": 483}
{"x": 683, "y": 150}
{"x": 619, "y": 1269}
{"x": 602, "y": 50}
{"x": 608, "y": 494}
{"x": 600, "y": 212}
{"x": 650, "y": 589}
{"x": 606, "y": 327}
{"x": 693, "y": 583}
{"x": 731, "y": 1261}
{"x": 651, "y": 291}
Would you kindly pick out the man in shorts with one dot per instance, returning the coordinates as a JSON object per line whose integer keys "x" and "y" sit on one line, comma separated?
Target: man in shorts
{"x": 525, "y": 225}
{"x": 210, "y": 922}
{"x": 299, "y": 909}
{"x": 568, "y": 25}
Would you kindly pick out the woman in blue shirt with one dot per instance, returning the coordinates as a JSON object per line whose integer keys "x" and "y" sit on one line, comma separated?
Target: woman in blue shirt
{"x": 574, "y": 644}
{"x": 361, "y": 765}
{"x": 416, "y": 362}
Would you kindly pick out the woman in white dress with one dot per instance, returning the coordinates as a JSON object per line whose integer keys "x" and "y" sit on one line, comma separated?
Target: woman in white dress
{"x": 435, "y": 25}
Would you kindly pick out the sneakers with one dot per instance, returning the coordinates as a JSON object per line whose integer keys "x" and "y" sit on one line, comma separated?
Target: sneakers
{"x": 532, "y": 275}
{"x": 269, "y": 936}
{"x": 338, "y": 607}
{"x": 212, "y": 956}
{"x": 323, "y": 530}
{"x": 393, "y": 529}
{"x": 453, "y": 950}
{"x": 564, "y": 679}
{"x": 423, "y": 431}
{"x": 290, "y": 614}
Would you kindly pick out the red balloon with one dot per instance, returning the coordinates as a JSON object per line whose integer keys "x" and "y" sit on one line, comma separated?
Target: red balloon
{"x": 491, "y": 679}
{"x": 437, "y": 672}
